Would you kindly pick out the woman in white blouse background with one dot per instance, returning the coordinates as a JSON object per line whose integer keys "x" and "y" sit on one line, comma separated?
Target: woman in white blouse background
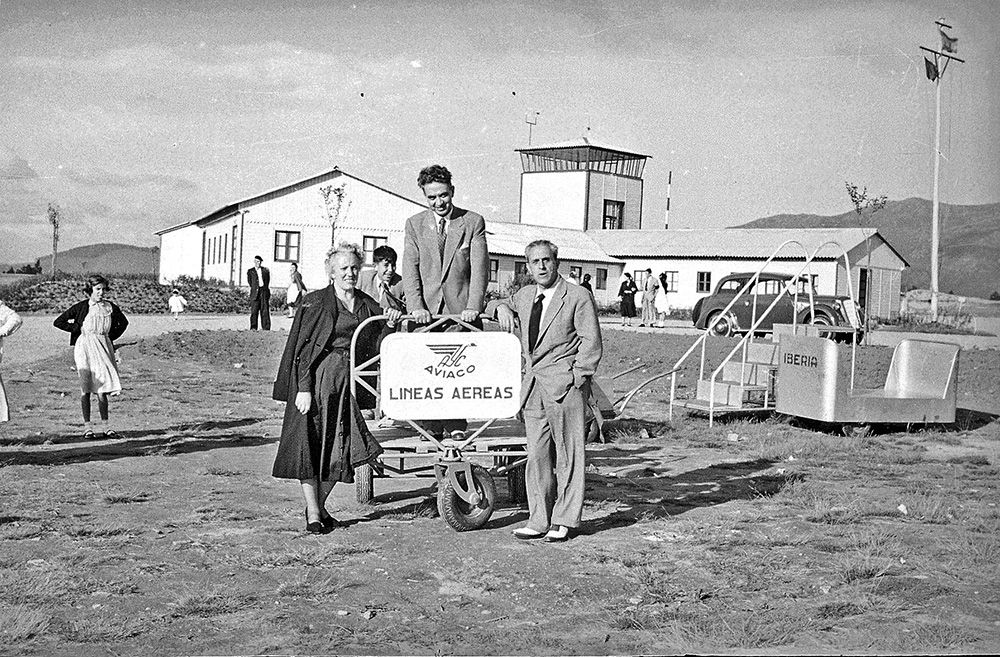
{"x": 10, "y": 321}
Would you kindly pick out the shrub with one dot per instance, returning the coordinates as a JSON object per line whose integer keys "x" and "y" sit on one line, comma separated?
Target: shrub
{"x": 135, "y": 293}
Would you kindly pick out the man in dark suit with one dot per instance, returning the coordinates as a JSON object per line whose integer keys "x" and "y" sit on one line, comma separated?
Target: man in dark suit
{"x": 259, "y": 279}
{"x": 561, "y": 343}
{"x": 445, "y": 263}
{"x": 383, "y": 283}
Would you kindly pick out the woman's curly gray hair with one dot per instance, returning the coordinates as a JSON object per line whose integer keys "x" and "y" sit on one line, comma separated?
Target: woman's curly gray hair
{"x": 346, "y": 247}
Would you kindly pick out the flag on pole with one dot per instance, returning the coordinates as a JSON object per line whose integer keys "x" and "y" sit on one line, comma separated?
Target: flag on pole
{"x": 948, "y": 44}
{"x": 932, "y": 69}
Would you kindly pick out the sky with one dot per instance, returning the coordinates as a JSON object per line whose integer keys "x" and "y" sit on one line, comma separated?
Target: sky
{"x": 133, "y": 116}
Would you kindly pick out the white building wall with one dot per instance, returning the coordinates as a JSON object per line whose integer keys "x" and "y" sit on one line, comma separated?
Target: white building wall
{"x": 364, "y": 211}
{"x": 180, "y": 254}
{"x": 606, "y": 186}
{"x": 554, "y": 198}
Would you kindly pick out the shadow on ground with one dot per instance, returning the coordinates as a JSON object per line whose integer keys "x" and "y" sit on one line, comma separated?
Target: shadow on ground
{"x": 174, "y": 440}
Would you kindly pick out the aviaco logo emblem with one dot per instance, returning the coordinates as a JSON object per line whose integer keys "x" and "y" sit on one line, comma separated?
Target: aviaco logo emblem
{"x": 453, "y": 360}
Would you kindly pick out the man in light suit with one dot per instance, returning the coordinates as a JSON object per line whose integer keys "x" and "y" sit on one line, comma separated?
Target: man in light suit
{"x": 446, "y": 266}
{"x": 383, "y": 283}
{"x": 561, "y": 343}
{"x": 259, "y": 278}
{"x": 445, "y": 263}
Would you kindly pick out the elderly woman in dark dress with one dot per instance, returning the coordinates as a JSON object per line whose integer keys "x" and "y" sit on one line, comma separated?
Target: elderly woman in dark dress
{"x": 323, "y": 436}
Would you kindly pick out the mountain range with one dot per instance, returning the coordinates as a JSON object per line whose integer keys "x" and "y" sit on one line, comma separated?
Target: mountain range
{"x": 105, "y": 259}
{"x": 970, "y": 241}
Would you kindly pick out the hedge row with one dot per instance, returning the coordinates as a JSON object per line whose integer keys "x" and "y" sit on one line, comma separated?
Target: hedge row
{"x": 137, "y": 294}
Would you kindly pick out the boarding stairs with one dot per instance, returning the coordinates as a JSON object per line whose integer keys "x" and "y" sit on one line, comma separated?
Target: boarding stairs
{"x": 744, "y": 381}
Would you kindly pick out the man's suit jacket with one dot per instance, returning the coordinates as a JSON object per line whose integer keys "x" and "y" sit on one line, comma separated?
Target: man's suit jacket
{"x": 396, "y": 298}
{"x": 455, "y": 282}
{"x": 569, "y": 345}
{"x": 261, "y": 287}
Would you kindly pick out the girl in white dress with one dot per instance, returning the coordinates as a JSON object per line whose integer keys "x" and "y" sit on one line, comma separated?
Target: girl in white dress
{"x": 94, "y": 324}
{"x": 10, "y": 321}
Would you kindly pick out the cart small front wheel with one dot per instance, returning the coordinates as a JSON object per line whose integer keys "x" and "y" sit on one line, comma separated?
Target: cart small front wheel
{"x": 364, "y": 484}
{"x": 459, "y": 514}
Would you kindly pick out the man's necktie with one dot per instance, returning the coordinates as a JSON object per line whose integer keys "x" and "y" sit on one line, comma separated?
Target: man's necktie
{"x": 535, "y": 322}
{"x": 441, "y": 236}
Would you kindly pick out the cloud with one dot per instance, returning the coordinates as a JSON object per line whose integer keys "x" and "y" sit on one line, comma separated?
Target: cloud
{"x": 13, "y": 166}
{"x": 101, "y": 178}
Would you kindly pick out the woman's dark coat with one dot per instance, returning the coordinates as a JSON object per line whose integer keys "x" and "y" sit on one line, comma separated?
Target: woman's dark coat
{"x": 72, "y": 321}
{"x": 308, "y": 343}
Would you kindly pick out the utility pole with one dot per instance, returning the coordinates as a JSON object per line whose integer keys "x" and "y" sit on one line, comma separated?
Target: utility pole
{"x": 531, "y": 118}
{"x": 935, "y": 71}
{"x": 55, "y": 214}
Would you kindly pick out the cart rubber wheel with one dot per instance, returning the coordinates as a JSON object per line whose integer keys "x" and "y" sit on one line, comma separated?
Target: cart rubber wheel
{"x": 458, "y": 513}
{"x": 364, "y": 484}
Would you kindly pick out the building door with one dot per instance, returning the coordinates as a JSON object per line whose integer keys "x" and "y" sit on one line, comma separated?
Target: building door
{"x": 863, "y": 291}
{"x": 232, "y": 260}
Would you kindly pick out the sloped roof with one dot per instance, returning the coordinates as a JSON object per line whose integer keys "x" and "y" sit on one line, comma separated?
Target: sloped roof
{"x": 730, "y": 242}
{"x": 227, "y": 211}
{"x": 580, "y": 143}
{"x": 506, "y": 238}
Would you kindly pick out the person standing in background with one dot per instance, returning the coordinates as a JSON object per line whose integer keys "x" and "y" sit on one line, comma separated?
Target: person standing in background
{"x": 586, "y": 283}
{"x": 296, "y": 288}
{"x": 176, "y": 303}
{"x": 627, "y": 295}
{"x": 662, "y": 303}
{"x": 383, "y": 283}
{"x": 649, "y": 289}
{"x": 259, "y": 279}
{"x": 10, "y": 321}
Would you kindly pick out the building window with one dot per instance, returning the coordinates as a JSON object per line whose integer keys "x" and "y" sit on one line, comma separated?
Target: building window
{"x": 520, "y": 270}
{"x": 370, "y": 244}
{"x": 286, "y": 245}
{"x": 704, "y": 282}
{"x": 602, "y": 279}
{"x": 576, "y": 272}
{"x": 494, "y": 270}
{"x": 639, "y": 276}
{"x": 670, "y": 278}
{"x": 225, "y": 247}
{"x": 614, "y": 215}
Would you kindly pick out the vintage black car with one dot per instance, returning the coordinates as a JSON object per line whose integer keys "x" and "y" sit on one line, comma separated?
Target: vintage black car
{"x": 827, "y": 310}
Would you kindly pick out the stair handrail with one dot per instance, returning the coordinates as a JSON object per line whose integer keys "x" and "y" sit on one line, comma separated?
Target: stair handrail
{"x": 793, "y": 280}
{"x": 708, "y": 328}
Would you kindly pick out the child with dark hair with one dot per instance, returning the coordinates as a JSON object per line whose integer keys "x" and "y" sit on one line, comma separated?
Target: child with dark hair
{"x": 93, "y": 325}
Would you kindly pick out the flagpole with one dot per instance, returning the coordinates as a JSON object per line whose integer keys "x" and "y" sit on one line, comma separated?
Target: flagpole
{"x": 948, "y": 45}
{"x": 935, "y": 232}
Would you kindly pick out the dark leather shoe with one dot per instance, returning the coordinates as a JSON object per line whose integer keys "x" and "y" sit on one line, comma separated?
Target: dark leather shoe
{"x": 316, "y": 528}
{"x": 330, "y": 522}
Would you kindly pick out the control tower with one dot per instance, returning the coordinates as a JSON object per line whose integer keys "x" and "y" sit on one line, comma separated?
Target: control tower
{"x": 581, "y": 185}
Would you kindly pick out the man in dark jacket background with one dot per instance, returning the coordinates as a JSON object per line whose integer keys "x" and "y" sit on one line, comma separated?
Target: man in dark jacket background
{"x": 259, "y": 278}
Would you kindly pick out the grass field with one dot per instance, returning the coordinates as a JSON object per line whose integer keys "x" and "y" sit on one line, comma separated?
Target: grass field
{"x": 755, "y": 535}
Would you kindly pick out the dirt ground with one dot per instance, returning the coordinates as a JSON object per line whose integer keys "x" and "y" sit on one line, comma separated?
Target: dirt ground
{"x": 764, "y": 535}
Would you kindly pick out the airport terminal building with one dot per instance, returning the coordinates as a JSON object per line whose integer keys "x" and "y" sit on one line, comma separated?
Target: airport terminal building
{"x": 585, "y": 197}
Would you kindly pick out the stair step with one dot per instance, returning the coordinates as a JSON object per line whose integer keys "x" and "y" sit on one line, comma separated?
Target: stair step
{"x": 702, "y": 406}
{"x": 732, "y": 393}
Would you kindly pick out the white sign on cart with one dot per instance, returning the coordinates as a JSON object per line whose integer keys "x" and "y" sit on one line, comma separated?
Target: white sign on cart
{"x": 436, "y": 376}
